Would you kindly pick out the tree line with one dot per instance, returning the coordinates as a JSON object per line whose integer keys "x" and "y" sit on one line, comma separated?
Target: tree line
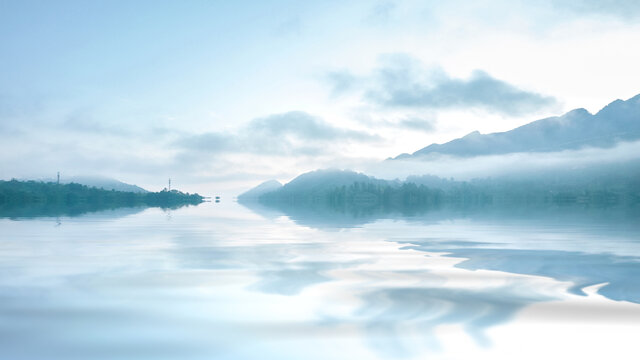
{"x": 51, "y": 198}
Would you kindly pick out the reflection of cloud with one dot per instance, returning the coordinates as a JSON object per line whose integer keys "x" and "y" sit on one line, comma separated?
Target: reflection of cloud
{"x": 621, "y": 273}
{"x": 321, "y": 216}
{"x": 427, "y": 308}
{"x": 293, "y": 280}
{"x": 403, "y": 83}
{"x": 274, "y": 263}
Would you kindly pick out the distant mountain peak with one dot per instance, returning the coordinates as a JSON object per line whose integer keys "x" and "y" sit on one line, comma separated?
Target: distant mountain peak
{"x": 271, "y": 182}
{"x": 472, "y": 134}
{"x": 578, "y": 128}
{"x": 578, "y": 112}
{"x": 101, "y": 182}
{"x": 621, "y": 107}
{"x": 262, "y": 188}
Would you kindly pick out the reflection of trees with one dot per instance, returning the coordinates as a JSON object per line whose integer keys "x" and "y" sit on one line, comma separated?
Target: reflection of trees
{"x": 327, "y": 215}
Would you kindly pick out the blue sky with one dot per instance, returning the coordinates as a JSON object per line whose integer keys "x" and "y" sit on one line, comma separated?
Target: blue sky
{"x": 226, "y": 94}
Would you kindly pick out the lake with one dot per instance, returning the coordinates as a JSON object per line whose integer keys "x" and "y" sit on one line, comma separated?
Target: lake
{"x": 224, "y": 281}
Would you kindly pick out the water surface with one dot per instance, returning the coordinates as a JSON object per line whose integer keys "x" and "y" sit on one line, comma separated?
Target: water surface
{"x": 221, "y": 281}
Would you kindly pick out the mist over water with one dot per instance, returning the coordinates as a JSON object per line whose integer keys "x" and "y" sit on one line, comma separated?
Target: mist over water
{"x": 515, "y": 165}
{"x": 221, "y": 281}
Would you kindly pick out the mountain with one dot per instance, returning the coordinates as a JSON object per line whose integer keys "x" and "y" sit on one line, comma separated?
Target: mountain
{"x": 263, "y": 188}
{"x": 103, "y": 183}
{"x": 598, "y": 183}
{"x": 602, "y": 185}
{"x": 320, "y": 180}
{"x": 308, "y": 186}
{"x": 618, "y": 121}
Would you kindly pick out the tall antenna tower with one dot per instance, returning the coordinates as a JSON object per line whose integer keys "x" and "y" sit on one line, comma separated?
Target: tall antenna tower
{"x": 169, "y": 184}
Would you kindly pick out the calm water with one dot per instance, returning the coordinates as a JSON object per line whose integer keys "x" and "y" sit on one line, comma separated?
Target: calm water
{"x": 220, "y": 281}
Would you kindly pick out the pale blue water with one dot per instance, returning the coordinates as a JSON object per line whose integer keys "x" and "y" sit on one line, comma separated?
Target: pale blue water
{"x": 220, "y": 281}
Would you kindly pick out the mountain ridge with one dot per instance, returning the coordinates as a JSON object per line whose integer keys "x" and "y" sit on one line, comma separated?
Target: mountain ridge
{"x": 262, "y": 188}
{"x": 578, "y": 128}
{"x": 100, "y": 182}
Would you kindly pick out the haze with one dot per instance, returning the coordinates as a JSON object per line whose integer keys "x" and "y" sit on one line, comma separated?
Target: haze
{"x": 223, "y": 95}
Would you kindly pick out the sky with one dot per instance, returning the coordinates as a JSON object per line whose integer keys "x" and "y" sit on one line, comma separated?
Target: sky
{"x": 222, "y": 95}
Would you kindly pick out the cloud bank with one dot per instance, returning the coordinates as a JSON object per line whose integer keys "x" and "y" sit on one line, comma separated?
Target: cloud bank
{"x": 404, "y": 83}
{"x": 625, "y": 9}
{"x": 513, "y": 164}
{"x": 291, "y": 133}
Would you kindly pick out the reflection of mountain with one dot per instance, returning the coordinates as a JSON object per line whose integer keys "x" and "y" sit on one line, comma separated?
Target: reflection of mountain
{"x": 419, "y": 295}
{"x": 583, "y": 269}
{"x": 618, "y": 121}
{"x": 398, "y": 292}
{"x": 43, "y": 210}
{"x": 326, "y": 216}
{"x": 331, "y": 192}
{"x": 611, "y": 193}
{"x": 320, "y": 216}
{"x": 267, "y": 212}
